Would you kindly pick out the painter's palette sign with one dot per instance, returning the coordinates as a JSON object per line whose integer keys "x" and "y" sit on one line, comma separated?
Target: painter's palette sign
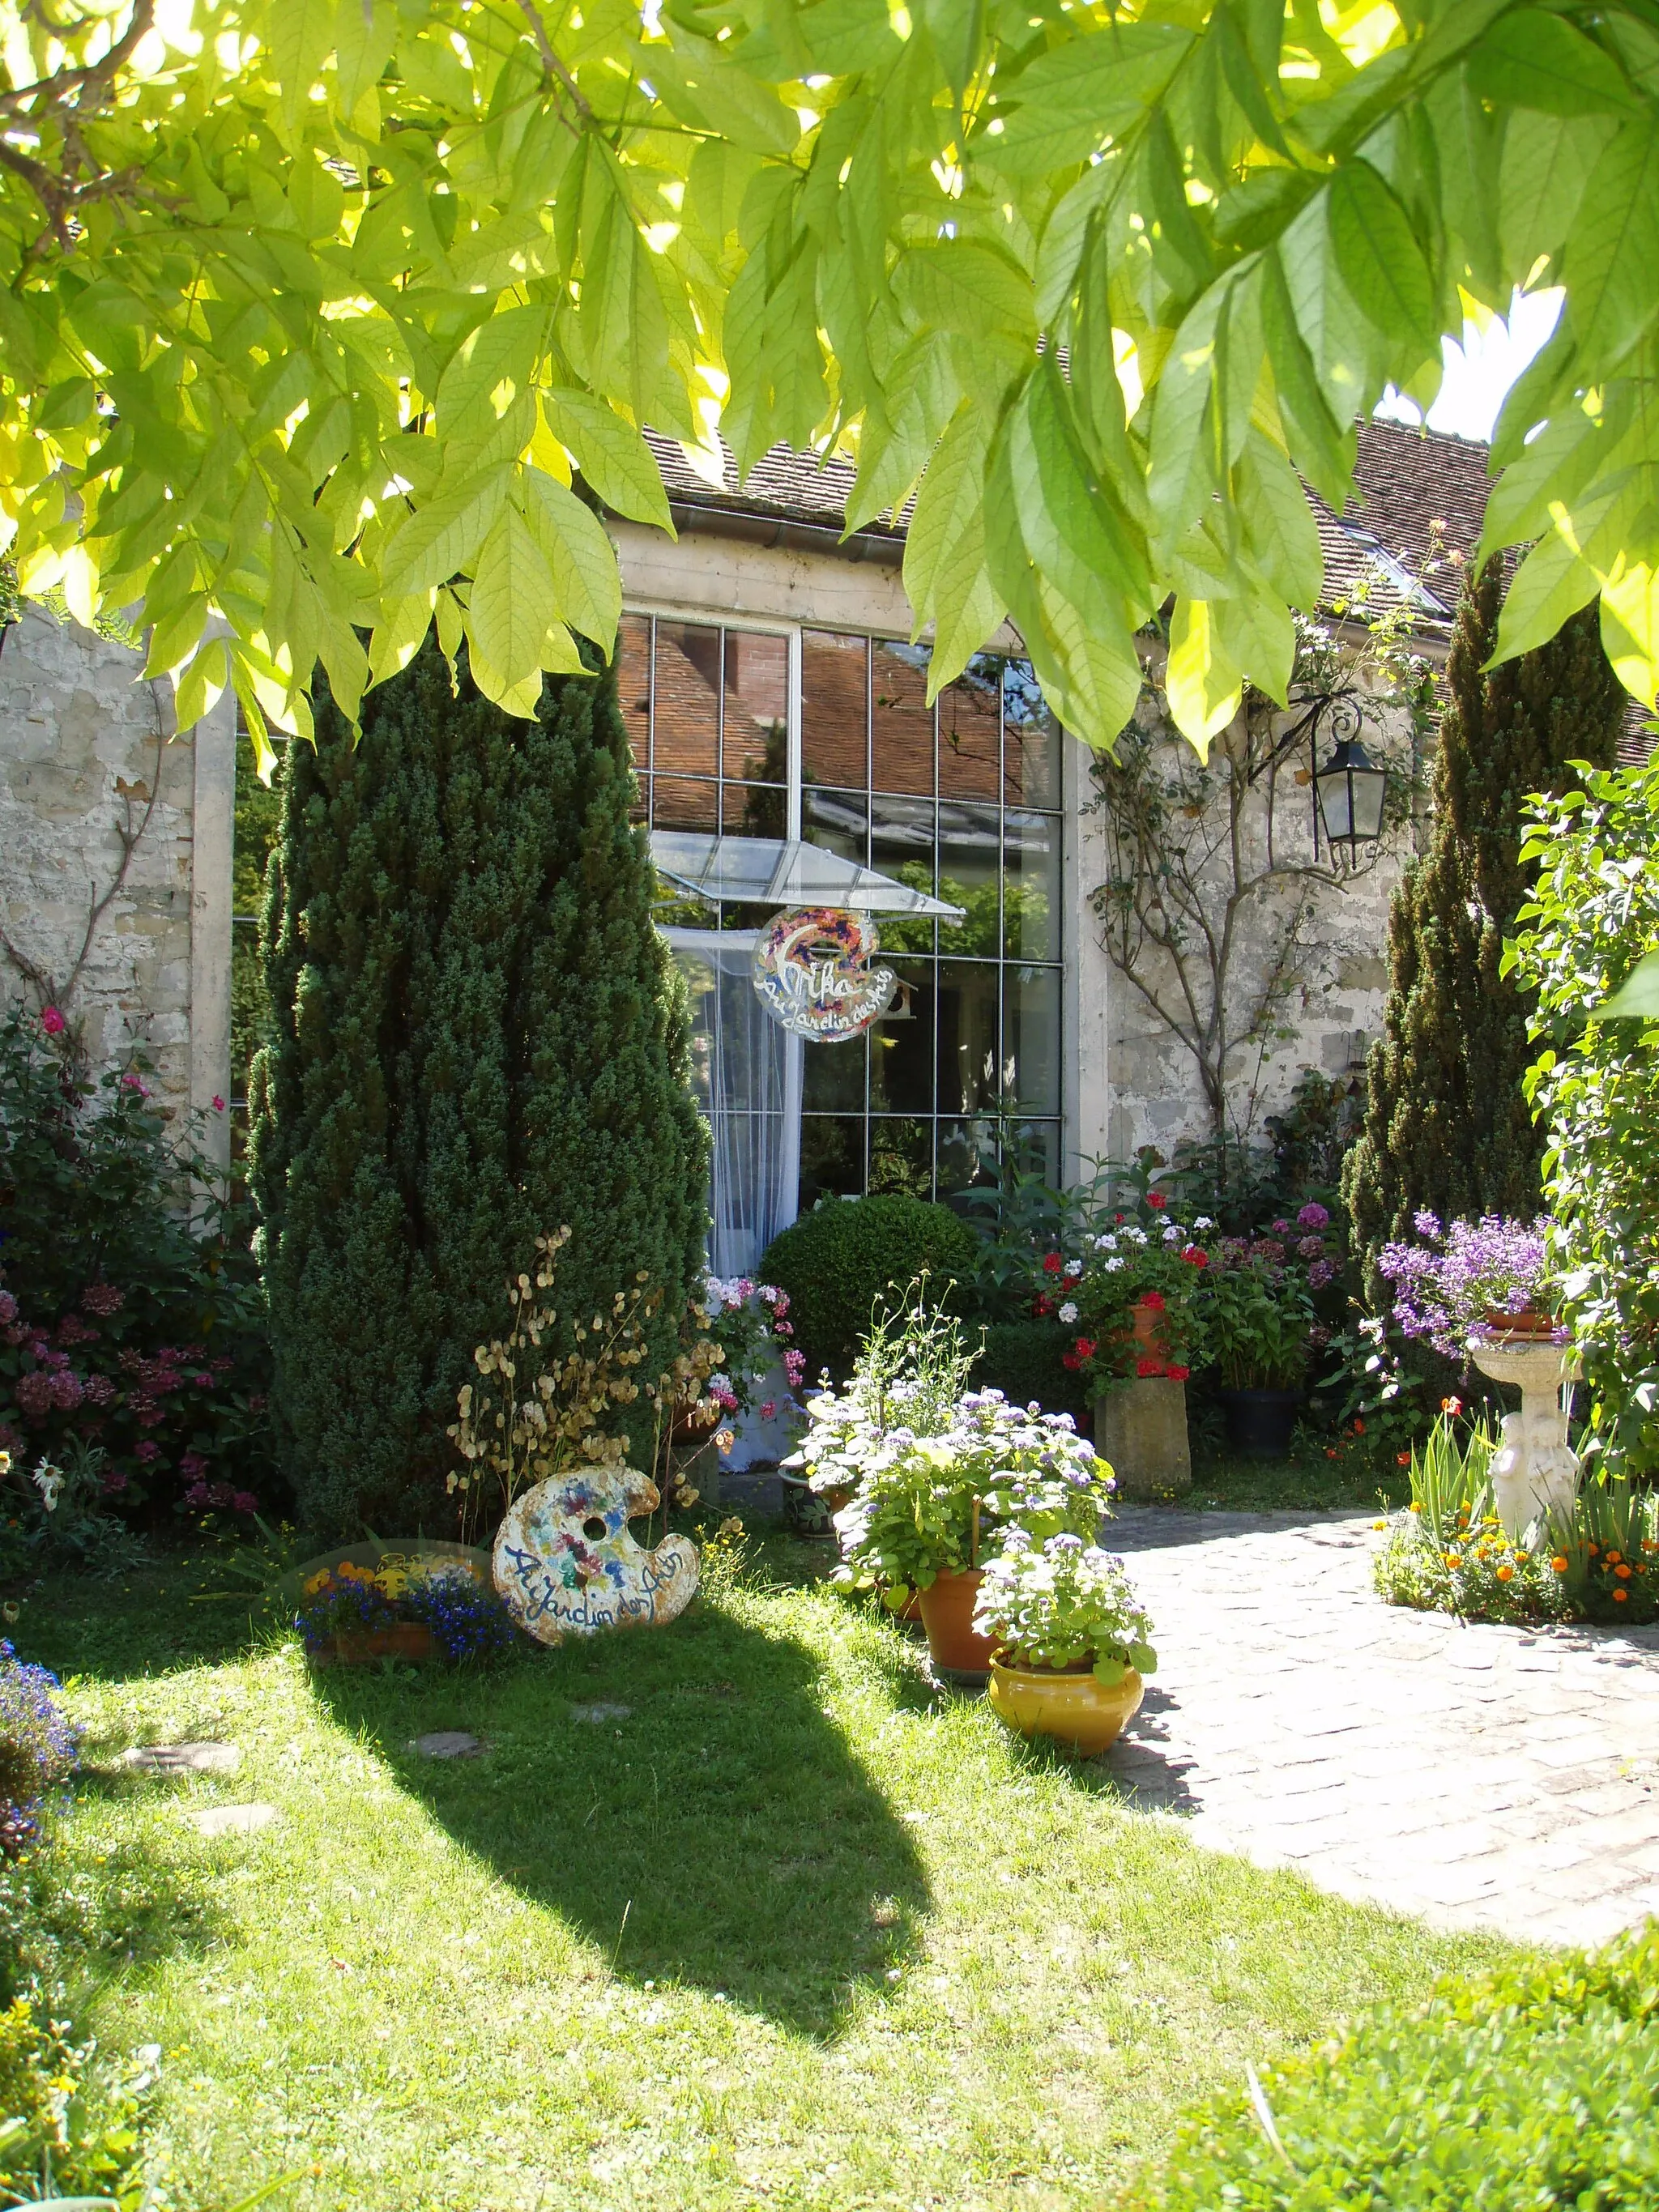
{"x": 565, "y": 1563}
{"x": 816, "y": 972}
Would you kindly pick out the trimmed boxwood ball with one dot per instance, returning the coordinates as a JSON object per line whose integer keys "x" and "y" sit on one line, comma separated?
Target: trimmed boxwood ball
{"x": 836, "y": 1262}
{"x": 1533, "y": 2085}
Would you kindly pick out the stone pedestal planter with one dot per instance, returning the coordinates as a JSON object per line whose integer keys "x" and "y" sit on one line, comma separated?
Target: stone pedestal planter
{"x": 1535, "y": 1476}
{"x": 1140, "y": 1430}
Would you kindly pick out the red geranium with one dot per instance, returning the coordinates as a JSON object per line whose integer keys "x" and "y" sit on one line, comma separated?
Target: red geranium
{"x": 1156, "y": 1201}
{"x": 1195, "y": 1256}
{"x": 1177, "y": 1374}
{"x": 1085, "y": 1347}
{"x": 1041, "y": 1305}
{"x": 1147, "y": 1367}
{"x": 1052, "y": 1264}
{"x": 1153, "y": 1298}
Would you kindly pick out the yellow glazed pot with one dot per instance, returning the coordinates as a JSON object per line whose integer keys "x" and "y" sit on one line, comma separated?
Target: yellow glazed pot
{"x": 1077, "y": 1710}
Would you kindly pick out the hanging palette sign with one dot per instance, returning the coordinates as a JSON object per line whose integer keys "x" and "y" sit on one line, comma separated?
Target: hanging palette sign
{"x": 816, "y": 972}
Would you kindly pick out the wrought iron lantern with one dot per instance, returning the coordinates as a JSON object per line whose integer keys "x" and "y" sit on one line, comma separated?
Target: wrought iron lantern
{"x": 1349, "y": 791}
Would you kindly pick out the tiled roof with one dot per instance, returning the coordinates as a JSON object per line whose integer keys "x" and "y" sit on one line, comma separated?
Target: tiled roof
{"x": 1417, "y": 518}
{"x": 1410, "y": 481}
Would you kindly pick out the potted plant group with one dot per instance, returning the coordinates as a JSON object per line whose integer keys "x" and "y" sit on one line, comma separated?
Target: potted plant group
{"x": 1071, "y": 1643}
{"x": 1262, "y": 1326}
{"x": 930, "y": 1509}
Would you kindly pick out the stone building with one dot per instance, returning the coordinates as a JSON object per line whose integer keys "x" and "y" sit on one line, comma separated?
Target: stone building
{"x": 770, "y": 694}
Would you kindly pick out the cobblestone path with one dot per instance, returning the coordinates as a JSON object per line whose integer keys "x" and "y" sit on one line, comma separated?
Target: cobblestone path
{"x": 1506, "y": 1777}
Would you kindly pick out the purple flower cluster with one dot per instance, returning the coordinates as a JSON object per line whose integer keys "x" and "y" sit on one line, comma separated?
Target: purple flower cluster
{"x": 36, "y": 1749}
{"x": 1446, "y": 1286}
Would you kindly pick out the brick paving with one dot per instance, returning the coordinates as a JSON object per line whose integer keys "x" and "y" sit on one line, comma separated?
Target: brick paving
{"x": 1503, "y": 1778}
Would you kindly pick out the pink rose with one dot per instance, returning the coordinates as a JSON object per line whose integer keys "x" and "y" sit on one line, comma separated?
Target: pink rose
{"x": 53, "y": 1022}
{"x": 218, "y": 1103}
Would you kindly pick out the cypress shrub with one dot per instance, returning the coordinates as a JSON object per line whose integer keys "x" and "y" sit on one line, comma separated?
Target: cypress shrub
{"x": 838, "y": 1261}
{"x": 479, "y": 1034}
{"x": 1447, "y": 1124}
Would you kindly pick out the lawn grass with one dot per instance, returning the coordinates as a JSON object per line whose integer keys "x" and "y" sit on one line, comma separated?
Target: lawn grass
{"x": 798, "y": 1931}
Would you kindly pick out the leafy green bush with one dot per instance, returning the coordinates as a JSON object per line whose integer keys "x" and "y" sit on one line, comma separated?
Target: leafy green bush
{"x": 1535, "y": 2086}
{"x": 1595, "y": 1084}
{"x": 1025, "y": 1360}
{"x": 71, "y": 2122}
{"x": 840, "y": 1261}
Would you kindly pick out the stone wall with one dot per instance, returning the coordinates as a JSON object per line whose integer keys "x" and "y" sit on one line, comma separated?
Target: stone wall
{"x": 88, "y": 750}
{"x": 1137, "y": 1084}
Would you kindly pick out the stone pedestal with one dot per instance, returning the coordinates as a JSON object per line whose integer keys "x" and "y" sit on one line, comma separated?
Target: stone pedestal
{"x": 1535, "y": 1474}
{"x": 1141, "y": 1430}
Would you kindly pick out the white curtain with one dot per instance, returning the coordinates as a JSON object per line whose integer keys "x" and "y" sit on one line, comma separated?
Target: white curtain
{"x": 748, "y": 1074}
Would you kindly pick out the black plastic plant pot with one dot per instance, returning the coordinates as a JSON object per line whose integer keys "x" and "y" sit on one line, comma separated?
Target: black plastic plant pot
{"x": 1260, "y": 1422}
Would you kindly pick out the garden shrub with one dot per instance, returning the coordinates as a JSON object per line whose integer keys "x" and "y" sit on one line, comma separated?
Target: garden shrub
{"x": 132, "y": 1324}
{"x": 839, "y": 1260}
{"x": 1533, "y": 2085}
{"x": 1595, "y": 1086}
{"x": 1025, "y": 1360}
{"x": 478, "y": 1035}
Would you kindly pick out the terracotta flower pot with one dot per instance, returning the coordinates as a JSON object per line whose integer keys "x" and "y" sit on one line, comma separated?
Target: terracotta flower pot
{"x": 1530, "y": 1321}
{"x": 1146, "y": 1330}
{"x": 947, "y": 1614}
{"x": 405, "y": 1639}
{"x": 1074, "y": 1708}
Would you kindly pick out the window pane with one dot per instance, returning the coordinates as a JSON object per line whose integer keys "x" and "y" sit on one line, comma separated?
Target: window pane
{"x": 633, "y": 684}
{"x": 756, "y": 709}
{"x": 965, "y": 1157}
{"x": 835, "y": 707}
{"x": 831, "y": 1158}
{"x": 678, "y": 804}
{"x": 837, "y": 820}
{"x": 1030, "y": 896}
{"x": 902, "y": 1045}
{"x": 832, "y": 1076}
{"x": 968, "y": 727}
{"x": 754, "y": 810}
{"x": 703, "y": 993}
{"x": 1034, "y": 1146}
{"x": 1030, "y": 740}
{"x": 686, "y": 716}
{"x": 970, "y": 848}
{"x": 902, "y": 1156}
{"x": 901, "y": 846}
{"x": 900, "y": 720}
{"x": 967, "y": 1037}
{"x": 1030, "y": 1038}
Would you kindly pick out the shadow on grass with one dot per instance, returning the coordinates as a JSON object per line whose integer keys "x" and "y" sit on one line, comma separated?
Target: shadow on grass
{"x": 160, "y": 1619}
{"x": 718, "y": 1833}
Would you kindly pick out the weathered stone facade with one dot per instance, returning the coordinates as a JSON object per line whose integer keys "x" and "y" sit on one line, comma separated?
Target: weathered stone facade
{"x": 87, "y": 752}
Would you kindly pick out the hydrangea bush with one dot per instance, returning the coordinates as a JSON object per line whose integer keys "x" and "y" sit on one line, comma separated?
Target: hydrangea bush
{"x": 128, "y": 1322}
{"x": 1451, "y": 1283}
{"x": 1058, "y": 1601}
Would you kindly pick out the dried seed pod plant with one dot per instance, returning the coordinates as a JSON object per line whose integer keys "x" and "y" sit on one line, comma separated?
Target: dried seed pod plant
{"x": 537, "y": 1412}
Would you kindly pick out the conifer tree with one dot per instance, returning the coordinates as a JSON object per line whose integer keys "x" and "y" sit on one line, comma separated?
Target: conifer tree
{"x": 479, "y": 1036}
{"x": 1447, "y": 1127}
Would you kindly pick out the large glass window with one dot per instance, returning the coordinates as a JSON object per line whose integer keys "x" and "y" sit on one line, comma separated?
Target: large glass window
{"x": 960, "y": 799}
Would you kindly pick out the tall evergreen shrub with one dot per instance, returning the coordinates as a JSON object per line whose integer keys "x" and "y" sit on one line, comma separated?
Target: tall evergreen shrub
{"x": 1447, "y": 1124}
{"x": 479, "y": 1034}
